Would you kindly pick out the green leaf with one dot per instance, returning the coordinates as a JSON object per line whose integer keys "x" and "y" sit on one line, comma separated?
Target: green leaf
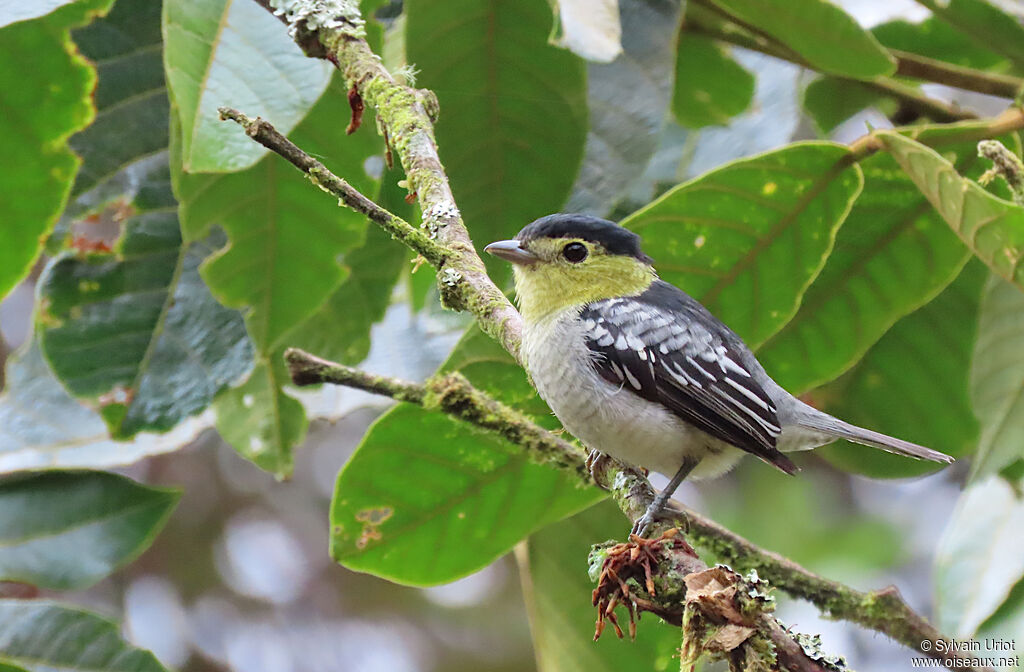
{"x": 44, "y": 636}
{"x": 340, "y": 329}
{"x": 747, "y": 239}
{"x": 625, "y": 131}
{"x": 513, "y": 109}
{"x": 557, "y": 587}
{"x": 710, "y": 86}
{"x": 980, "y": 556}
{"x": 992, "y": 227}
{"x": 135, "y": 331}
{"x": 934, "y": 38}
{"x": 40, "y": 113}
{"x": 830, "y": 101}
{"x": 421, "y": 480}
{"x": 236, "y": 54}
{"x": 997, "y": 379}
{"x": 913, "y": 384}
{"x": 131, "y": 98}
{"x": 824, "y": 35}
{"x": 286, "y": 238}
{"x": 283, "y": 262}
{"x": 42, "y": 427}
{"x": 260, "y": 421}
{"x": 984, "y": 23}
{"x": 893, "y": 254}
{"x": 68, "y": 530}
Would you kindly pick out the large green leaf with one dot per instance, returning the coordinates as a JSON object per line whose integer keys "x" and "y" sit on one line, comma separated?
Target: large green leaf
{"x": 934, "y": 38}
{"x": 131, "y": 98}
{"x": 984, "y": 23}
{"x": 821, "y": 33}
{"x": 233, "y": 53}
{"x": 913, "y": 384}
{"x": 513, "y": 109}
{"x": 287, "y": 244}
{"x": 286, "y": 239}
{"x": 997, "y": 379}
{"x": 42, "y": 427}
{"x": 340, "y": 329}
{"x": 40, "y": 113}
{"x": 625, "y": 130}
{"x": 710, "y": 87}
{"x": 557, "y": 589}
{"x": 893, "y": 254}
{"x": 68, "y": 530}
{"x": 747, "y": 239}
{"x": 980, "y": 556}
{"x": 43, "y": 636}
{"x": 422, "y": 480}
{"x": 135, "y": 331}
{"x": 992, "y": 227}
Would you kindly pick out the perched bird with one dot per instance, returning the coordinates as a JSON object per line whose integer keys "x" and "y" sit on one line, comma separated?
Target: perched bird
{"x": 638, "y": 370}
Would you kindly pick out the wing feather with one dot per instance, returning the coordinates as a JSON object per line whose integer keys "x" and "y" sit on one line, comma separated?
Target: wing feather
{"x": 665, "y": 347}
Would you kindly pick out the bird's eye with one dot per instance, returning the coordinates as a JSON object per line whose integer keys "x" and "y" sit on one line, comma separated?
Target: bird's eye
{"x": 575, "y": 252}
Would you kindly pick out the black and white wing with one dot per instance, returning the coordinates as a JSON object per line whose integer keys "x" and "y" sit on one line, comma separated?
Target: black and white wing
{"x": 667, "y": 348}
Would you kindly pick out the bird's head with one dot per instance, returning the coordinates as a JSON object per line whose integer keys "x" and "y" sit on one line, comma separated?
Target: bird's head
{"x": 566, "y": 260}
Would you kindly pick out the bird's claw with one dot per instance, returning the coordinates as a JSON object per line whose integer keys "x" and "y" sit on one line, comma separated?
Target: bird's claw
{"x": 645, "y": 523}
{"x": 596, "y": 463}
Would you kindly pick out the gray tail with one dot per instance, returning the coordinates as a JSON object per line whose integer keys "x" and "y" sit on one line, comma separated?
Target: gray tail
{"x": 844, "y": 430}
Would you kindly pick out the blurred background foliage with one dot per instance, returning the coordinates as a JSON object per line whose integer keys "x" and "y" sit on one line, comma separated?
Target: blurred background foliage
{"x": 156, "y": 262}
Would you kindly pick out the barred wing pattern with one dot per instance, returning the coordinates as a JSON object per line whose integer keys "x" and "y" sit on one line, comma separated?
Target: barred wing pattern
{"x": 667, "y": 348}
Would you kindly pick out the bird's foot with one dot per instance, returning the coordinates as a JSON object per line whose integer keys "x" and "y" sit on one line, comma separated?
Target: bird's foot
{"x": 656, "y": 513}
{"x": 596, "y": 463}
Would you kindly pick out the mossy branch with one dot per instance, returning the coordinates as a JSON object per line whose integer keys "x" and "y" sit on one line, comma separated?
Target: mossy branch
{"x": 333, "y": 30}
{"x": 882, "y": 610}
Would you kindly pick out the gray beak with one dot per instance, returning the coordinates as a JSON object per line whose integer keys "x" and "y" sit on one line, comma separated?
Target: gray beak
{"x": 511, "y": 250}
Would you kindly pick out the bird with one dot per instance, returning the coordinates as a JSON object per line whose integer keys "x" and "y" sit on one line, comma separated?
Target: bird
{"x": 640, "y": 371}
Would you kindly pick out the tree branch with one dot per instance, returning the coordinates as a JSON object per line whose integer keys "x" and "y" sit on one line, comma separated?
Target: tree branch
{"x": 907, "y": 64}
{"x": 881, "y": 610}
{"x": 333, "y": 30}
{"x": 916, "y": 66}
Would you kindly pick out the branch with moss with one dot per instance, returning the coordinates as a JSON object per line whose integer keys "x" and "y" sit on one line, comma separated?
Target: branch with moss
{"x": 883, "y": 610}
{"x": 333, "y": 30}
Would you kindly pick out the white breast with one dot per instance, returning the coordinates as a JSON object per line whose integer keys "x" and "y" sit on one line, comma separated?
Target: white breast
{"x": 610, "y": 418}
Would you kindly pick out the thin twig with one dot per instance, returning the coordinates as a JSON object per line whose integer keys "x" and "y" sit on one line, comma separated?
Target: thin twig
{"x": 763, "y": 43}
{"x": 882, "y": 610}
{"x": 968, "y": 79}
{"x": 264, "y": 133}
